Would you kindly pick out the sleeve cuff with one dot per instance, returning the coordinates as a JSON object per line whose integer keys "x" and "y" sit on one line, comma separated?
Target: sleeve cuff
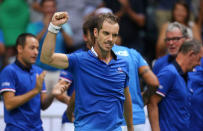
{"x": 160, "y": 93}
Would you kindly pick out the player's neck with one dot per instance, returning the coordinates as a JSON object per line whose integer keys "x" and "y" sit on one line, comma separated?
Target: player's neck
{"x": 103, "y": 55}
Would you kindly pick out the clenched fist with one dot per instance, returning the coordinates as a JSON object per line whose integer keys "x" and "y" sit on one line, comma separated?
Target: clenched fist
{"x": 59, "y": 18}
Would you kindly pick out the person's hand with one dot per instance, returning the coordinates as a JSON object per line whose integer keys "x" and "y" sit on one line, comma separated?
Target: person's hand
{"x": 60, "y": 87}
{"x": 39, "y": 81}
{"x": 60, "y": 18}
{"x": 124, "y": 3}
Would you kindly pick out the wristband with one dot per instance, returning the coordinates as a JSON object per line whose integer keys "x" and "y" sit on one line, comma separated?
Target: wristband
{"x": 53, "y": 28}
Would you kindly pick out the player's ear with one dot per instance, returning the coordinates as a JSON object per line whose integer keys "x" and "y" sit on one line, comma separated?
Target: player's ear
{"x": 19, "y": 49}
{"x": 95, "y": 32}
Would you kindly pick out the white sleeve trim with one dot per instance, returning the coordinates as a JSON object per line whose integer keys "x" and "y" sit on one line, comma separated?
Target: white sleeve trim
{"x": 7, "y": 89}
{"x": 160, "y": 93}
{"x": 66, "y": 79}
{"x": 43, "y": 91}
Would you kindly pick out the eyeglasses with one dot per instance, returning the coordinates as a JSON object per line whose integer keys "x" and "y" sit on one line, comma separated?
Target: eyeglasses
{"x": 174, "y": 39}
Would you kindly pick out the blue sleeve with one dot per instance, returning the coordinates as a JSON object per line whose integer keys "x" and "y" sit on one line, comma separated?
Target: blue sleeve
{"x": 66, "y": 75}
{"x": 166, "y": 78}
{"x": 72, "y": 60}
{"x": 7, "y": 81}
{"x": 140, "y": 61}
{"x": 66, "y": 27}
{"x": 44, "y": 88}
{"x": 156, "y": 68}
{"x": 1, "y": 37}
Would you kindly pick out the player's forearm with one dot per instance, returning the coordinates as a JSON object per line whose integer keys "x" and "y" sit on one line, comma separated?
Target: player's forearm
{"x": 151, "y": 79}
{"x": 63, "y": 98}
{"x": 48, "y": 48}
{"x": 46, "y": 101}
{"x": 153, "y": 113}
{"x": 128, "y": 110}
{"x": 12, "y": 102}
{"x": 148, "y": 76}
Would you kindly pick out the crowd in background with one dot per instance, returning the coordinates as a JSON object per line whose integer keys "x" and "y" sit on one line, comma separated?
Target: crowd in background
{"x": 143, "y": 26}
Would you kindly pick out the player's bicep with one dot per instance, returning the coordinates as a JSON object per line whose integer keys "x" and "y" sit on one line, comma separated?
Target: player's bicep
{"x": 7, "y": 96}
{"x": 59, "y": 60}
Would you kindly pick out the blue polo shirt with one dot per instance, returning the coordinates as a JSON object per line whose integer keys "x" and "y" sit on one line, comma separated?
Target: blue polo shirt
{"x": 20, "y": 80}
{"x": 162, "y": 62}
{"x": 196, "y": 83}
{"x": 66, "y": 75}
{"x": 135, "y": 61}
{"x": 174, "y": 107}
{"x": 99, "y": 89}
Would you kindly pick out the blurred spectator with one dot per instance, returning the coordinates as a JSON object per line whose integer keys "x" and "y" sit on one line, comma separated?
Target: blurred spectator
{"x": 77, "y": 9}
{"x": 2, "y": 50}
{"x": 181, "y": 14}
{"x": 35, "y": 10}
{"x": 132, "y": 19}
{"x": 200, "y": 19}
{"x": 163, "y": 10}
{"x": 14, "y": 18}
{"x": 63, "y": 38}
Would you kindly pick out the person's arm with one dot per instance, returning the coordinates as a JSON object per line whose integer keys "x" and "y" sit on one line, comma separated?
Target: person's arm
{"x": 138, "y": 18}
{"x": 71, "y": 108}
{"x": 148, "y": 76}
{"x": 153, "y": 112}
{"x": 196, "y": 33}
{"x": 161, "y": 46}
{"x": 128, "y": 114}
{"x": 151, "y": 80}
{"x": 11, "y": 101}
{"x": 64, "y": 98}
{"x": 46, "y": 99}
{"x": 48, "y": 56}
{"x": 200, "y": 17}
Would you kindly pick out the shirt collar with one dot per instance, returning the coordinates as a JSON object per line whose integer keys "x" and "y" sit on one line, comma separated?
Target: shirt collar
{"x": 171, "y": 58}
{"x": 17, "y": 62}
{"x": 180, "y": 71}
{"x": 96, "y": 55}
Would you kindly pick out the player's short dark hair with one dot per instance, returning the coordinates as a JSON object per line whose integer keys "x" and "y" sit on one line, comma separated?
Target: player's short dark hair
{"x": 109, "y": 17}
{"x": 21, "y": 40}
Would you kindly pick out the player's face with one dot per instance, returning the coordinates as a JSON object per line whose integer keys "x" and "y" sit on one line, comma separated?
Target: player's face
{"x": 195, "y": 59}
{"x": 107, "y": 35}
{"x": 30, "y": 51}
{"x": 174, "y": 40}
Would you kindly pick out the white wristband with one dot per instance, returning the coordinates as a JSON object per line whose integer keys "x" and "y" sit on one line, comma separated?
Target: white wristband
{"x": 53, "y": 28}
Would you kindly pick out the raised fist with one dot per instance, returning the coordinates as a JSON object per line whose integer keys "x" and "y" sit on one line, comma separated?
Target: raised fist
{"x": 59, "y": 18}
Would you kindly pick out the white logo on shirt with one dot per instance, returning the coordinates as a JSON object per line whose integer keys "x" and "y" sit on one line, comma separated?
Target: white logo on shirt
{"x": 161, "y": 87}
{"x": 119, "y": 69}
{"x": 5, "y": 84}
{"x": 64, "y": 73}
{"x": 122, "y": 53}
